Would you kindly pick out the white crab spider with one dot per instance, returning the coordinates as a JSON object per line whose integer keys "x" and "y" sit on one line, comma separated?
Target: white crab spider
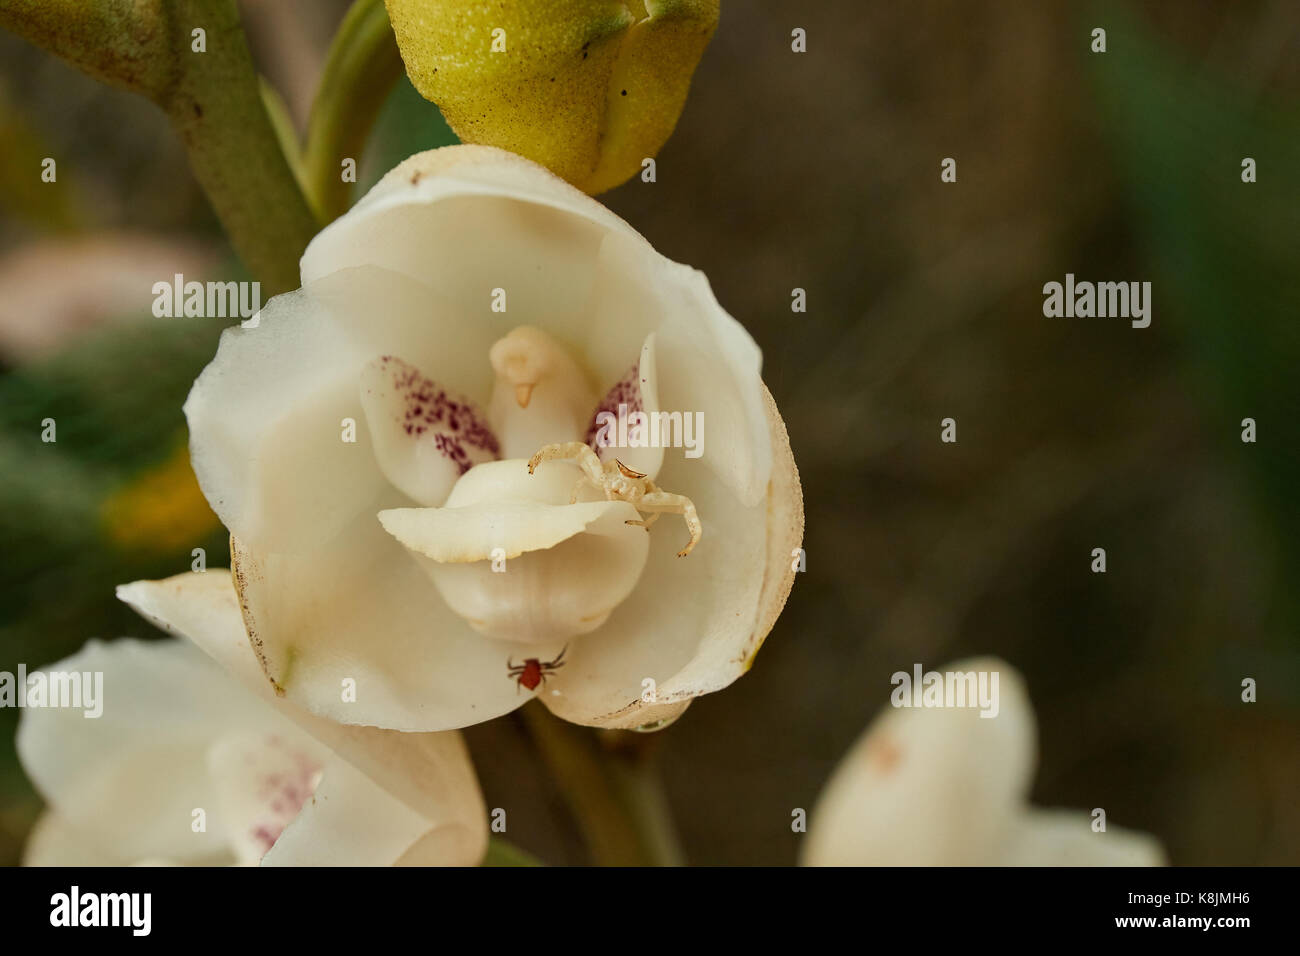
{"x": 621, "y": 483}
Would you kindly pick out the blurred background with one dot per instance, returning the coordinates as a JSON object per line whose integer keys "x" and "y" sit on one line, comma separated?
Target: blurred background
{"x": 819, "y": 171}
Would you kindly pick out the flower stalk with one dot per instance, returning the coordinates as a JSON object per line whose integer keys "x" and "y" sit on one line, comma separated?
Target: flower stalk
{"x": 613, "y": 794}
{"x": 211, "y": 96}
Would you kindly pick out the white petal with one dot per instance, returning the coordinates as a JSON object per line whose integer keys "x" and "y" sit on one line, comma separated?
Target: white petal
{"x": 1066, "y": 838}
{"x": 500, "y": 507}
{"x": 929, "y": 786}
{"x": 512, "y": 557}
{"x": 262, "y": 781}
{"x": 428, "y": 773}
{"x": 361, "y": 610}
{"x": 131, "y": 778}
{"x": 424, "y": 438}
{"x": 705, "y": 360}
{"x": 510, "y": 528}
{"x": 636, "y": 391}
{"x": 269, "y": 415}
{"x": 55, "y": 842}
{"x": 467, "y": 220}
{"x": 694, "y": 624}
{"x": 350, "y": 821}
{"x": 201, "y": 607}
{"x": 570, "y": 267}
{"x": 265, "y": 422}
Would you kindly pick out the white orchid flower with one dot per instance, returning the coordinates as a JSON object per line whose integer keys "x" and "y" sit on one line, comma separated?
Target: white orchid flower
{"x": 196, "y": 762}
{"x": 932, "y": 786}
{"x": 471, "y": 313}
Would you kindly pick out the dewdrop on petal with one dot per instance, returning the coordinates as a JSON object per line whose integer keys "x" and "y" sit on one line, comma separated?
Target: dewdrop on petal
{"x": 587, "y": 89}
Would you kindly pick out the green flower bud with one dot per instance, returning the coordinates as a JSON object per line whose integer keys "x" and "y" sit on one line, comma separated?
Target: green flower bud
{"x": 588, "y": 88}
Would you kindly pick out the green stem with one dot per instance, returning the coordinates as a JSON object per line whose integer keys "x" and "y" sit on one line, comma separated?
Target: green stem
{"x": 503, "y": 853}
{"x": 641, "y": 788}
{"x": 217, "y": 109}
{"x": 614, "y": 796}
{"x": 362, "y": 66}
{"x": 212, "y": 98}
{"x": 123, "y": 44}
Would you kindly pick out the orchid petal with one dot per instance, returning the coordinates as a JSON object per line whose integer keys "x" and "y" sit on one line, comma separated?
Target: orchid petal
{"x": 689, "y": 647}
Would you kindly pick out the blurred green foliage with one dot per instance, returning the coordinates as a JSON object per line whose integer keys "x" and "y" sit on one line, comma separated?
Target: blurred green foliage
{"x": 1226, "y": 253}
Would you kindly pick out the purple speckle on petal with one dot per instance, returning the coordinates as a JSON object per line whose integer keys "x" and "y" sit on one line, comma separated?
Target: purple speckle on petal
{"x": 627, "y": 392}
{"x": 456, "y": 423}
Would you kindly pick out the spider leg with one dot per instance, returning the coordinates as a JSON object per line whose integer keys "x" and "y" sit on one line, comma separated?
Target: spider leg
{"x": 645, "y": 522}
{"x": 662, "y": 501}
{"x": 575, "y": 451}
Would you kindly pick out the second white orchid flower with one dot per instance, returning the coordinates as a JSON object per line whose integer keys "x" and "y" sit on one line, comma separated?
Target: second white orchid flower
{"x": 197, "y": 762}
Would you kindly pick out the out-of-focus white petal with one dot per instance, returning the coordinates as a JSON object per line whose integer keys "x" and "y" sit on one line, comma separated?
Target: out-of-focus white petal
{"x": 694, "y": 624}
{"x": 1066, "y": 838}
{"x": 427, "y": 773}
{"x": 945, "y": 786}
{"x": 380, "y": 829}
{"x": 261, "y": 781}
{"x": 53, "y": 841}
{"x": 930, "y": 786}
{"x": 162, "y": 703}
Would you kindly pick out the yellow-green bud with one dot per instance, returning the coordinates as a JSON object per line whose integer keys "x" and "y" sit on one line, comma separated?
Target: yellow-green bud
{"x": 587, "y": 88}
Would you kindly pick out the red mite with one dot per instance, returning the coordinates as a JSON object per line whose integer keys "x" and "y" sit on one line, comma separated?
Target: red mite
{"x": 532, "y": 671}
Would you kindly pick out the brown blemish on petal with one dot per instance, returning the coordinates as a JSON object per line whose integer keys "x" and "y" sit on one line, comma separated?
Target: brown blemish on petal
{"x": 245, "y": 572}
{"x": 785, "y": 523}
{"x": 883, "y": 753}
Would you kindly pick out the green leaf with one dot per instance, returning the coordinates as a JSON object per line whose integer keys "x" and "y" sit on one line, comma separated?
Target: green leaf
{"x": 1224, "y": 252}
{"x": 502, "y": 853}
